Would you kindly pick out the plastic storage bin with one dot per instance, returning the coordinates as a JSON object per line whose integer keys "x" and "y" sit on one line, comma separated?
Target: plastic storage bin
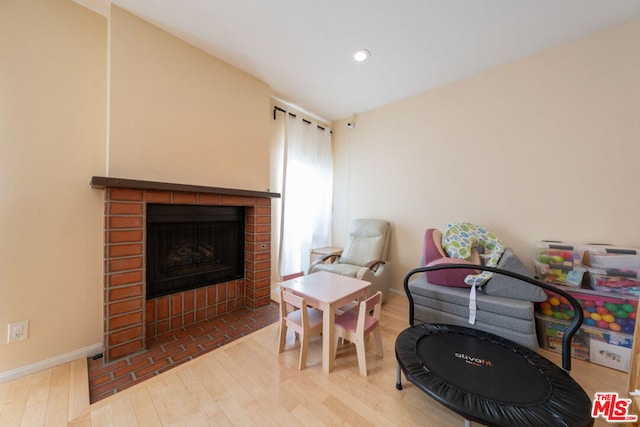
{"x": 625, "y": 282}
{"x": 603, "y": 347}
{"x": 559, "y": 263}
{"x": 559, "y": 253}
{"x": 560, "y": 274}
{"x": 607, "y": 257}
{"x": 606, "y": 311}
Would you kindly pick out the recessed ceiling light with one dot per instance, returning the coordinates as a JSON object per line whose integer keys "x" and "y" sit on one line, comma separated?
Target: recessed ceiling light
{"x": 361, "y": 55}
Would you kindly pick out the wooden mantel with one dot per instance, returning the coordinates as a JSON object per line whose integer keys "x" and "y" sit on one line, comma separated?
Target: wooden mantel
{"x": 101, "y": 182}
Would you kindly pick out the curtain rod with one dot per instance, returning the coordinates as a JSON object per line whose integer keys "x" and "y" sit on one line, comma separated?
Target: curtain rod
{"x": 276, "y": 109}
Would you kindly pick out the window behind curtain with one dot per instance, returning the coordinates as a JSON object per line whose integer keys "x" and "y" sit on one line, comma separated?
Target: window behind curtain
{"x": 306, "y": 195}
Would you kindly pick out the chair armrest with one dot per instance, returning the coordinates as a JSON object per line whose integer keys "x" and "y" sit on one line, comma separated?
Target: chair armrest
{"x": 373, "y": 265}
{"x": 326, "y": 257}
{"x": 323, "y": 259}
{"x": 380, "y": 269}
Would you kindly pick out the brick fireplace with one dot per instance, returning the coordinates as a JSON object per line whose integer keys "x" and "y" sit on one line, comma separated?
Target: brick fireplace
{"x": 129, "y": 318}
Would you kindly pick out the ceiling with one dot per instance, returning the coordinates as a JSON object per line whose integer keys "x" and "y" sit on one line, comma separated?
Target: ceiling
{"x": 303, "y": 49}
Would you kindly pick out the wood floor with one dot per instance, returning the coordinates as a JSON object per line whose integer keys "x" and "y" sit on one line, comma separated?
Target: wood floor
{"x": 248, "y": 383}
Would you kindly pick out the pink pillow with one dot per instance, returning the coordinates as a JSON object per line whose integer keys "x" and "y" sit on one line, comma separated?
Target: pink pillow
{"x": 432, "y": 249}
{"x": 433, "y": 254}
{"x": 453, "y": 277}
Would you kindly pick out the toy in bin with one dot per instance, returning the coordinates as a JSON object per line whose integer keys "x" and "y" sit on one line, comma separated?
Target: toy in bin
{"x": 626, "y": 282}
{"x": 560, "y": 274}
{"x": 555, "y": 253}
{"x": 601, "y": 313}
{"x": 558, "y": 262}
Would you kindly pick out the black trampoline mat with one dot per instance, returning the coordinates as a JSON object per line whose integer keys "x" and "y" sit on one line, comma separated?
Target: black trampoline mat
{"x": 489, "y": 379}
{"x": 482, "y": 367}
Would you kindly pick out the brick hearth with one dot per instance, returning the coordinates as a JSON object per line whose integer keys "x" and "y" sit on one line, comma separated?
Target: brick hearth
{"x": 129, "y": 319}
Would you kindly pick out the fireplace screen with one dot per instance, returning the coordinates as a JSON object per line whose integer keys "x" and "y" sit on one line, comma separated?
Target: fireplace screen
{"x": 189, "y": 246}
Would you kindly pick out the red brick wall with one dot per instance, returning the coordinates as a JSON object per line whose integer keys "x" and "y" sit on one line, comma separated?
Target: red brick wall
{"x": 128, "y": 318}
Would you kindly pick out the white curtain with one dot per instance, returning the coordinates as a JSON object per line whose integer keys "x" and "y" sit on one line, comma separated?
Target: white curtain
{"x": 306, "y": 195}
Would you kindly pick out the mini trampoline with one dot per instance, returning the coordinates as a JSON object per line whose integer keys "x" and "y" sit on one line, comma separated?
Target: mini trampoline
{"x": 489, "y": 379}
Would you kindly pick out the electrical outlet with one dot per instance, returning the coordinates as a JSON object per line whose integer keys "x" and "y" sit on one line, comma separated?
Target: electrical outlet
{"x": 18, "y": 331}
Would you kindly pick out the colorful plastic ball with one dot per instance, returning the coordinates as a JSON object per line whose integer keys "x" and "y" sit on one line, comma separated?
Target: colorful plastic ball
{"x": 623, "y": 322}
{"x": 599, "y": 303}
{"x": 589, "y": 322}
{"x": 586, "y": 313}
{"x": 591, "y": 309}
{"x": 607, "y": 317}
{"x": 596, "y": 316}
{"x": 632, "y": 315}
{"x": 602, "y": 324}
{"x": 615, "y": 327}
{"x": 557, "y": 258}
{"x": 547, "y": 312}
{"x": 622, "y": 314}
{"x": 554, "y": 301}
{"x": 611, "y": 307}
{"x": 557, "y": 315}
{"x": 564, "y": 307}
{"x": 570, "y": 314}
{"x": 627, "y": 329}
{"x": 628, "y": 308}
{"x": 545, "y": 306}
{"x": 601, "y": 310}
{"x": 588, "y": 303}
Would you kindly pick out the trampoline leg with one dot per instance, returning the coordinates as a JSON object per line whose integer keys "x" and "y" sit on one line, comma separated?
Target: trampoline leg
{"x": 467, "y": 423}
{"x": 399, "y": 379}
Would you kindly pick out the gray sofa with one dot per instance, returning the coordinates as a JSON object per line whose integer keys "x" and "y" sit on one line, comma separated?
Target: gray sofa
{"x": 504, "y": 305}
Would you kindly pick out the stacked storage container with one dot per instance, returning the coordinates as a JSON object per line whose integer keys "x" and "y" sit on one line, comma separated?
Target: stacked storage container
{"x": 614, "y": 269}
{"x": 608, "y": 297}
{"x": 559, "y": 263}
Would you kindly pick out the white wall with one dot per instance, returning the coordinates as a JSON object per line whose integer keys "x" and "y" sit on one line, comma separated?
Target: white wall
{"x": 180, "y": 115}
{"x": 53, "y": 91}
{"x": 543, "y": 148}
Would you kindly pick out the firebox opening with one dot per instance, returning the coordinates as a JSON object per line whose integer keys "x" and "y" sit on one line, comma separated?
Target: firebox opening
{"x": 189, "y": 246}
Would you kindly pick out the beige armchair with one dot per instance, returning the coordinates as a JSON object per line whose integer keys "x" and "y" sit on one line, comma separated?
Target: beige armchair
{"x": 364, "y": 255}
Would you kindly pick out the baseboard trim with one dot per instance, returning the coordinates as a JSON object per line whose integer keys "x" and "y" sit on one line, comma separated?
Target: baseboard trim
{"x": 85, "y": 352}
